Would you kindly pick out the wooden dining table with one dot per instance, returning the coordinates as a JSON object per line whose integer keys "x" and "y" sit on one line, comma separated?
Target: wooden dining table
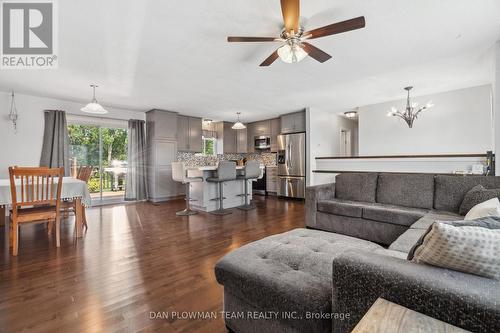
{"x": 72, "y": 189}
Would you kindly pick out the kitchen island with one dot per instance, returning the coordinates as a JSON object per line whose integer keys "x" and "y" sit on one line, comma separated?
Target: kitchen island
{"x": 203, "y": 192}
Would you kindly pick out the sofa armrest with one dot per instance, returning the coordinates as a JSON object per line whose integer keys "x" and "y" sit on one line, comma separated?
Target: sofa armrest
{"x": 464, "y": 300}
{"x": 313, "y": 195}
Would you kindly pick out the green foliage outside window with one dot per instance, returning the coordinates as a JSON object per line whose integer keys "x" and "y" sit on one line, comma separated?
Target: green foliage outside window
{"x": 84, "y": 144}
{"x": 209, "y": 146}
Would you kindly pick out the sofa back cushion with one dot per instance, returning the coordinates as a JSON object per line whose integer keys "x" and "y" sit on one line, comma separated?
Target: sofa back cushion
{"x": 451, "y": 190}
{"x": 408, "y": 190}
{"x": 356, "y": 186}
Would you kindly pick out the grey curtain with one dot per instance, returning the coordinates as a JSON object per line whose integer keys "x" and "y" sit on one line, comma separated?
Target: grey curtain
{"x": 55, "y": 146}
{"x": 136, "y": 188}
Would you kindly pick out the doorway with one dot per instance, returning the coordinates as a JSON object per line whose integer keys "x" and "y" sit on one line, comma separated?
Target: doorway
{"x": 345, "y": 143}
{"x": 103, "y": 147}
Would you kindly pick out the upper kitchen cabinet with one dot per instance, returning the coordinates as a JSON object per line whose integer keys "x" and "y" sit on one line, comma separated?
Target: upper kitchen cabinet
{"x": 229, "y": 140}
{"x": 293, "y": 122}
{"x": 263, "y": 128}
{"x": 250, "y": 137}
{"x": 275, "y": 131}
{"x": 189, "y": 134}
{"x": 241, "y": 141}
{"x": 161, "y": 124}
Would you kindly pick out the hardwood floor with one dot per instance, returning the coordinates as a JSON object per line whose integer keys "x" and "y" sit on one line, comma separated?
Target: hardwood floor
{"x": 133, "y": 259}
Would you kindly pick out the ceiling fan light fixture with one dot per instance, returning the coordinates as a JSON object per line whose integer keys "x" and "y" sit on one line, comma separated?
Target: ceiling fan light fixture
{"x": 291, "y": 53}
{"x": 94, "y": 107}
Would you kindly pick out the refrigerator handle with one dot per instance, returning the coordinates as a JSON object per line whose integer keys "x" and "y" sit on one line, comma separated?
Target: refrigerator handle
{"x": 291, "y": 166}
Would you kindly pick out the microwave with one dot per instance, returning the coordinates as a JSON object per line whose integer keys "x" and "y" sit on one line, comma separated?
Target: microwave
{"x": 262, "y": 142}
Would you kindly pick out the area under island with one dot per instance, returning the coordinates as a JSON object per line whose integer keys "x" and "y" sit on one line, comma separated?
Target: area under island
{"x": 203, "y": 192}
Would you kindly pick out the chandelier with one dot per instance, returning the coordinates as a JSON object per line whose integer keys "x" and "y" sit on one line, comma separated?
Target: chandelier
{"x": 13, "y": 115}
{"x": 411, "y": 112}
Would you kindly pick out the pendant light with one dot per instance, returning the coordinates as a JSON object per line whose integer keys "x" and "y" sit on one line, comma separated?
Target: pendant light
{"x": 238, "y": 125}
{"x": 94, "y": 107}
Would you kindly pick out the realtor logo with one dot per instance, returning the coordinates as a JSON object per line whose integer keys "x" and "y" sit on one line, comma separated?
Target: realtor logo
{"x": 28, "y": 34}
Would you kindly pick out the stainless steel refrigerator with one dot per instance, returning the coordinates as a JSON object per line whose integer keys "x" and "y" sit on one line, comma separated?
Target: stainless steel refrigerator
{"x": 292, "y": 165}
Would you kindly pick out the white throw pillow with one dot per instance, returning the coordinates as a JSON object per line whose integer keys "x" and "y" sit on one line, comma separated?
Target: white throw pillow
{"x": 488, "y": 208}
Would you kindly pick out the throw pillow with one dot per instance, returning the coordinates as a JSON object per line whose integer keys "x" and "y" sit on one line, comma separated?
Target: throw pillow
{"x": 467, "y": 246}
{"x": 477, "y": 195}
{"x": 488, "y": 208}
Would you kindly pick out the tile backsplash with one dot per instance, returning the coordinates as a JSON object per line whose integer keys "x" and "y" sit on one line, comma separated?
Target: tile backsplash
{"x": 192, "y": 159}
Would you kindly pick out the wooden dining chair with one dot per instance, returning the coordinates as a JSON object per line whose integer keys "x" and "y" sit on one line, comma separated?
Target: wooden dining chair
{"x": 36, "y": 198}
{"x": 84, "y": 174}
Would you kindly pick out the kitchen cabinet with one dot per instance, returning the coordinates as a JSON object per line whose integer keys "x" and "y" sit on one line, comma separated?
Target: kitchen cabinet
{"x": 189, "y": 134}
{"x": 161, "y": 124}
{"x": 250, "y": 138}
{"x": 162, "y": 132}
{"x": 272, "y": 179}
{"x": 263, "y": 128}
{"x": 293, "y": 122}
{"x": 229, "y": 140}
{"x": 241, "y": 141}
{"x": 275, "y": 131}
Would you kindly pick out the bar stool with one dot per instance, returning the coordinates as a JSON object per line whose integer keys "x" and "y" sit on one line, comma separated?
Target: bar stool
{"x": 250, "y": 172}
{"x": 226, "y": 171}
{"x": 179, "y": 174}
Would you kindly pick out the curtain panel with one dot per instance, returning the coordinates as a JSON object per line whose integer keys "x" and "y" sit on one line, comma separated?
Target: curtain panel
{"x": 136, "y": 187}
{"x": 55, "y": 145}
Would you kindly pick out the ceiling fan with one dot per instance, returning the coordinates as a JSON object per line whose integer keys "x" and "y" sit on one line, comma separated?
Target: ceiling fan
{"x": 295, "y": 46}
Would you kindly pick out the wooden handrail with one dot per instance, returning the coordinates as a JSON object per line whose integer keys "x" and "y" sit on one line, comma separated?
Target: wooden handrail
{"x": 400, "y": 156}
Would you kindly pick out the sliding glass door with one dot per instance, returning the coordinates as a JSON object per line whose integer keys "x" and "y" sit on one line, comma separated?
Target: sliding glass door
{"x": 103, "y": 146}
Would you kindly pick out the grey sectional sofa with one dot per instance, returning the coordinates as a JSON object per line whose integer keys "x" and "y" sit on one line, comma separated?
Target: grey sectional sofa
{"x": 381, "y": 206}
{"x": 309, "y": 280}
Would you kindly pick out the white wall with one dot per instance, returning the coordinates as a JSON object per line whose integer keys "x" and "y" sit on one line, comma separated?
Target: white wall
{"x": 460, "y": 122}
{"x": 496, "y": 105}
{"x": 24, "y": 147}
{"x": 323, "y": 138}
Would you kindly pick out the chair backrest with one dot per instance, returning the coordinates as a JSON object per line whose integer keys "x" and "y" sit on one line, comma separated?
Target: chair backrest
{"x": 178, "y": 171}
{"x": 226, "y": 170}
{"x": 84, "y": 173}
{"x": 252, "y": 169}
{"x": 35, "y": 186}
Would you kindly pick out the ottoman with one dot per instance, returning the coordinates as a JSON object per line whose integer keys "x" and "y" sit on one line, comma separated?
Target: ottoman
{"x": 283, "y": 283}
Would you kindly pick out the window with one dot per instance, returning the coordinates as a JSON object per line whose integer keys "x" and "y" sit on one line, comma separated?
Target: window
{"x": 209, "y": 146}
{"x": 103, "y": 145}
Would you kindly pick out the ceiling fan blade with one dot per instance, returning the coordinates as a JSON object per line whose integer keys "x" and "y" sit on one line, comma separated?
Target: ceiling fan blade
{"x": 316, "y": 53}
{"x": 252, "y": 39}
{"x": 291, "y": 14}
{"x": 336, "y": 28}
{"x": 272, "y": 58}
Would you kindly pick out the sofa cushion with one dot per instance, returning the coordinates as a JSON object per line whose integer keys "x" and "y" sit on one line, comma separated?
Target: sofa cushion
{"x": 478, "y": 194}
{"x": 435, "y": 215}
{"x": 408, "y": 190}
{"x": 287, "y": 272}
{"x": 375, "y": 231}
{"x": 407, "y": 240}
{"x": 356, "y": 186}
{"x": 341, "y": 207}
{"x": 467, "y": 246}
{"x": 393, "y": 214}
{"x": 451, "y": 190}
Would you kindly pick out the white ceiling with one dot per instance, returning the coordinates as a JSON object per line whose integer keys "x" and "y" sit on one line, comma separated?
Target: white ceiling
{"x": 174, "y": 55}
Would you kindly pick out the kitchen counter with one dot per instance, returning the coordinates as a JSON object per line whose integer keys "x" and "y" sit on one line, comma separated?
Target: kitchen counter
{"x": 214, "y": 168}
{"x": 203, "y": 193}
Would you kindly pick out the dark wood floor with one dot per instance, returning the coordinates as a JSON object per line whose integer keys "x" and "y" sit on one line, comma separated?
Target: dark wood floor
{"x": 134, "y": 259}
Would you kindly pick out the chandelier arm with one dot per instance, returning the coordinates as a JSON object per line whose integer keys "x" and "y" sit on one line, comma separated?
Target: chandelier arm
{"x": 400, "y": 115}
